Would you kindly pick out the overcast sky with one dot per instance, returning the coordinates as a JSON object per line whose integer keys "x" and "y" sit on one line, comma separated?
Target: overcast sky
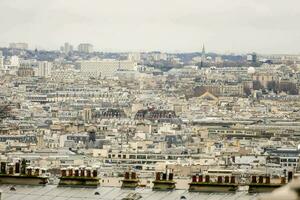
{"x": 263, "y": 26}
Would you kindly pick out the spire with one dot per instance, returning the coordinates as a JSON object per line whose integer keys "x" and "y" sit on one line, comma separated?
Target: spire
{"x": 203, "y": 56}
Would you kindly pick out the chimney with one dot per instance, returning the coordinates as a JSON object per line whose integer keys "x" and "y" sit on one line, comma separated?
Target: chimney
{"x": 157, "y": 176}
{"x": 63, "y": 172}
{"x": 253, "y": 179}
{"x": 164, "y": 176}
{"x": 207, "y": 179}
{"x": 37, "y": 171}
{"x": 232, "y": 180}
{"x": 95, "y": 173}
{"x": 233, "y": 159}
{"x": 23, "y": 166}
{"x": 220, "y": 179}
{"x": 226, "y": 179}
{"x": 11, "y": 169}
{"x": 76, "y": 172}
{"x": 200, "y": 178}
{"x": 133, "y": 175}
{"x": 260, "y": 179}
{"x": 3, "y": 167}
{"x": 70, "y": 171}
{"x": 17, "y": 167}
{"x": 29, "y": 171}
{"x": 194, "y": 178}
{"x": 82, "y": 170}
{"x": 268, "y": 181}
{"x": 126, "y": 175}
{"x": 290, "y": 176}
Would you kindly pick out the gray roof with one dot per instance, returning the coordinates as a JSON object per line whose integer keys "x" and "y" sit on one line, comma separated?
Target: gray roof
{"x": 52, "y": 192}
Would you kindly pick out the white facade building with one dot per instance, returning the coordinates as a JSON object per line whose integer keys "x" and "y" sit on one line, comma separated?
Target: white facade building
{"x": 1, "y": 61}
{"x": 67, "y": 48}
{"x": 106, "y": 68}
{"x": 85, "y": 47}
{"x": 14, "y": 61}
{"x": 44, "y": 69}
{"x": 159, "y": 56}
{"x": 18, "y": 45}
{"x": 134, "y": 56}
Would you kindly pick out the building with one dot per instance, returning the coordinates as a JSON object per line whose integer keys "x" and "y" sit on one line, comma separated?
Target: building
{"x": 151, "y": 114}
{"x": 25, "y": 72}
{"x": 203, "y": 56}
{"x": 236, "y": 89}
{"x": 158, "y": 56}
{"x": 44, "y": 69}
{"x": 265, "y": 77}
{"x": 252, "y": 58}
{"x": 85, "y": 48}
{"x": 18, "y": 45}
{"x": 106, "y": 67}
{"x": 67, "y": 48}
{"x": 1, "y": 61}
{"x": 135, "y": 56}
{"x": 14, "y": 61}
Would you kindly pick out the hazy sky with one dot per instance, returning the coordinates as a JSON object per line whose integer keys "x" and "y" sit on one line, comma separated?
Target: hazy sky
{"x": 264, "y": 26}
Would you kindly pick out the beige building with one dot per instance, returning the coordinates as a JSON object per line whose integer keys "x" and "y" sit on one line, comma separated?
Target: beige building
{"x": 106, "y": 68}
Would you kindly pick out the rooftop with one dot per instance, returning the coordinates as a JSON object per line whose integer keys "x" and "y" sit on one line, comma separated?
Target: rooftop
{"x": 52, "y": 192}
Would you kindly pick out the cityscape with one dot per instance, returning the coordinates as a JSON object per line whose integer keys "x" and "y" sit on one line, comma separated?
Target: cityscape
{"x": 78, "y": 121}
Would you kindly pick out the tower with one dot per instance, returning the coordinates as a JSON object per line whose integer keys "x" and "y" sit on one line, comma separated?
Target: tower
{"x": 203, "y": 57}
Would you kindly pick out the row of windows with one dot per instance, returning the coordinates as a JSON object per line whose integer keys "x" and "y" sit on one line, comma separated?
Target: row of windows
{"x": 289, "y": 160}
{"x": 290, "y": 165}
{"x": 155, "y": 157}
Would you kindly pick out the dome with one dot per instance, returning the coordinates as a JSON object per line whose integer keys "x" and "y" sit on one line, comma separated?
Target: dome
{"x": 251, "y": 70}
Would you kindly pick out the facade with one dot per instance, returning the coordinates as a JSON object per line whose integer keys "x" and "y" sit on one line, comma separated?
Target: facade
{"x": 1, "y": 61}
{"x": 105, "y": 68}
{"x": 67, "y": 48}
{"x": 264, "y": 78}
{"x": 14, "y": 61}
{"x": 85, "y": 48}
{"x": 224, "y": 89}
{"x": 44, "y": 69}
{"x": 25, "y": 72}
{"x": 19, "y": 45}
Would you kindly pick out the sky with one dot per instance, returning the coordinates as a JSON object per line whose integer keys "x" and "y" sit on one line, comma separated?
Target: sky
{"x": 224, "y": 26}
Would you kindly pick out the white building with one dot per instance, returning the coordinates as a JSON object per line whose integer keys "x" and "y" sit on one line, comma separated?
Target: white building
{"x": 44, "y": 69}
{"x": 157, "y": 56}
{"x": 1, "y": 61}
{"x": 85, "y": 47}
{"x": 106, "y": 68}
{"x": 67, "y": 48}
{"x": 18, "y": 45}
{"x": 134, "y": 56}
{"x": 14, "y": 61}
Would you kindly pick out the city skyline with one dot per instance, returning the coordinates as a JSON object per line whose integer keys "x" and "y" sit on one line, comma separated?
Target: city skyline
{"x": 169, "y": 26}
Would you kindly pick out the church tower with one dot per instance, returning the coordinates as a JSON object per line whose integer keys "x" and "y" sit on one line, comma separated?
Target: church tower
{"x": 203, "y": 56}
